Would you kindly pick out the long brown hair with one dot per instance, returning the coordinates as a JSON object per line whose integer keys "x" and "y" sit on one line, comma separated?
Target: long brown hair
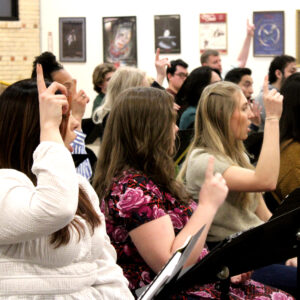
{"x": 139, "y": 135}
{"x": 212, "y": 129}
{"x": 19, "y": 137}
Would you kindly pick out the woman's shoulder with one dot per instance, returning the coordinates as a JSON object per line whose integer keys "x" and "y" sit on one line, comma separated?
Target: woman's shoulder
{"x": 290, "y": 147}
{"x": 12, "y": 177}
{"x": 199, "y": 152}
{"x": 197, "y": 164}
{"x": 132, "y": 179}
{"x": 202, "y": 155}
{"x": 289, "y": 155}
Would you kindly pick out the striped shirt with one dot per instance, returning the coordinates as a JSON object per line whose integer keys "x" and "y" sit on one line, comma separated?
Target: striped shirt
{"x": 78, "y": 145}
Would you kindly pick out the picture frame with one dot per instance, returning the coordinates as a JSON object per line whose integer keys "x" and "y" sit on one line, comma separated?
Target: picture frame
{"x": 72, "y": 39}
{"x": 213, "y": 32}
{"x": 120, "y": 41}
{"x": 268, "y": 37}
{"x": 298, "y": 38}
{"x": 9, "y": 10}
{"x": 167, "y": 33}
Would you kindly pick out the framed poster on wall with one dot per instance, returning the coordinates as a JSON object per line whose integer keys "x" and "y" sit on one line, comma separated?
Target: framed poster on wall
{"x": 167, "y": 33}
{"x": 269, "y": 33}
{"x": 298, "y": 37}
{"x": 72, "y": 45}
{"x": 213, "y": 32}
{"x": 9, "y": 10}
{"x": 119, "y": 41}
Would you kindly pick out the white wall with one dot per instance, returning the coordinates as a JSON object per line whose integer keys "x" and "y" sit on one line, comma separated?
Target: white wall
{"x": 189, "y": 10}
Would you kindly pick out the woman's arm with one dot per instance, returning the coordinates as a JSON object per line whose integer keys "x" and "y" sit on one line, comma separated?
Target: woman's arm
{"x": 160, "y": 65}
{"x": 265, "y": 175}
{"x": 27, "y": 211}
{"x": 156, "y": 240}
{"x": 243, "y": 56}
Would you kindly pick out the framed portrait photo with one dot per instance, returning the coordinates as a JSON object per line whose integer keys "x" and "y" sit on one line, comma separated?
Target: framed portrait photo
{"x": 167, "y": 33}
{"x": 269, "y": 33}
{"x": 72, "y": 41}
{"x": 213, "y": 32}
{"x": 298, "y": 37}
{"x": 119, "y": 41}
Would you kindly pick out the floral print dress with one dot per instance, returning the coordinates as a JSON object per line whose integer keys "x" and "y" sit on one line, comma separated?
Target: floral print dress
{"x": 134, "y": 200}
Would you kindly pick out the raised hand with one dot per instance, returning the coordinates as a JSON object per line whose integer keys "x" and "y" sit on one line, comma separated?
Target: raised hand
{"x": 272, "y": 101}
{"x": 214, "y": 189}
{"x": 256, "y": 110}
{"x": 79, "y": 103}
{"x": 52, "y": 106}
{"x": 250, "y": 28}
{"x": 160, "y": 65}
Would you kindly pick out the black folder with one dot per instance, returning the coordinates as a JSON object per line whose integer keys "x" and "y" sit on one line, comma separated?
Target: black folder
{"x": 269, "y": 243}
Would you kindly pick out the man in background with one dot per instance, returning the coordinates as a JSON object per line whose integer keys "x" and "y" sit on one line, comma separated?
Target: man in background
{"x": 211, "y": 58}
{"x": 242, "y": 77}
{"x": 281, "y": 67}
{"x": 176, "y": 75}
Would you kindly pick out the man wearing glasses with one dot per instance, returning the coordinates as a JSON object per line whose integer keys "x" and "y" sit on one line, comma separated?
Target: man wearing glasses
{"x": 176, "y": 74}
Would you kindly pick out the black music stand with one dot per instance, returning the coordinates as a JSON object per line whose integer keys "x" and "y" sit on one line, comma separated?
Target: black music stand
{"x": 275, "y": 241}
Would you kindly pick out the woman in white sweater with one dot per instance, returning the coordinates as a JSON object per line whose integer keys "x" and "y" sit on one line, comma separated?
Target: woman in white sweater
{"x": 53, "y": 243}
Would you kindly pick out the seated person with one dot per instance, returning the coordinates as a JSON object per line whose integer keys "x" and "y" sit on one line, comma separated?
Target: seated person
{"x": 149, "y": 214}
{"x": 281, "y": 67}
{"x": 177, "y": 72}
{"x": 101, "y": 77}
{"x": 54, "y": 71}
{"x": 242, "y": 77}
{"x": 222, "y": 124}
{"x": 190, "y": 93}
{"x": 53, "y": 243}
{"x": 289, "y": 173}
{"x": 123, "y": 78}
{"x": 212, "y": 58}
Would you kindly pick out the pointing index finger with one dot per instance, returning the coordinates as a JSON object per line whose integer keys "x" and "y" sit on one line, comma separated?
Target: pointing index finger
{"x": 157, "y": 54}
{"x": 266, "y": 85}
{"x": 40, "y": 79}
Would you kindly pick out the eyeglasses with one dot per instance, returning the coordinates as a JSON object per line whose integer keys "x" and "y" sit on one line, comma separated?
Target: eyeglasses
{"x": 181, "y": 75}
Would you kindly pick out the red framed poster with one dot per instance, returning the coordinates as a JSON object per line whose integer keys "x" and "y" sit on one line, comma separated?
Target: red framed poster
{"x": 213, "y": 32}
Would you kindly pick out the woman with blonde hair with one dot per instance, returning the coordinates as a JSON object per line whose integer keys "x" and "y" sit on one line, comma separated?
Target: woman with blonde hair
{"x": 149, "y": 214}
{"x": 123, "y": 78}
{"x": 222, "y": 124}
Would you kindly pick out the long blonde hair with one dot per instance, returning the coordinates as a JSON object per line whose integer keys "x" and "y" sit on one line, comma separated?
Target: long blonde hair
{"x": 123, "y": 78}
{"x": 212, "y": 129}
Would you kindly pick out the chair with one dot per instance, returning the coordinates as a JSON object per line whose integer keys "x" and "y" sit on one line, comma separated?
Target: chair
{"x": 182, "y": 143}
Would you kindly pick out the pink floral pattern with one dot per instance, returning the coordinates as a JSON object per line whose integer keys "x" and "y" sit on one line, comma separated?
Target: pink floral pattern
{"x": 134, "y": 200}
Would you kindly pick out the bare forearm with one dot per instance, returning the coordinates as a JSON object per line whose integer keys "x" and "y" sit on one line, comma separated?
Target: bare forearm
{"x": 203, "y": 215}
{"x": 243, "y": 56}
{"x": 160, "y": 78}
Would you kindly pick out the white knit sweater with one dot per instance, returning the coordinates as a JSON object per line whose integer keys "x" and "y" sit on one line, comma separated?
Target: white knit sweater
{"x": 30, "y": 267}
